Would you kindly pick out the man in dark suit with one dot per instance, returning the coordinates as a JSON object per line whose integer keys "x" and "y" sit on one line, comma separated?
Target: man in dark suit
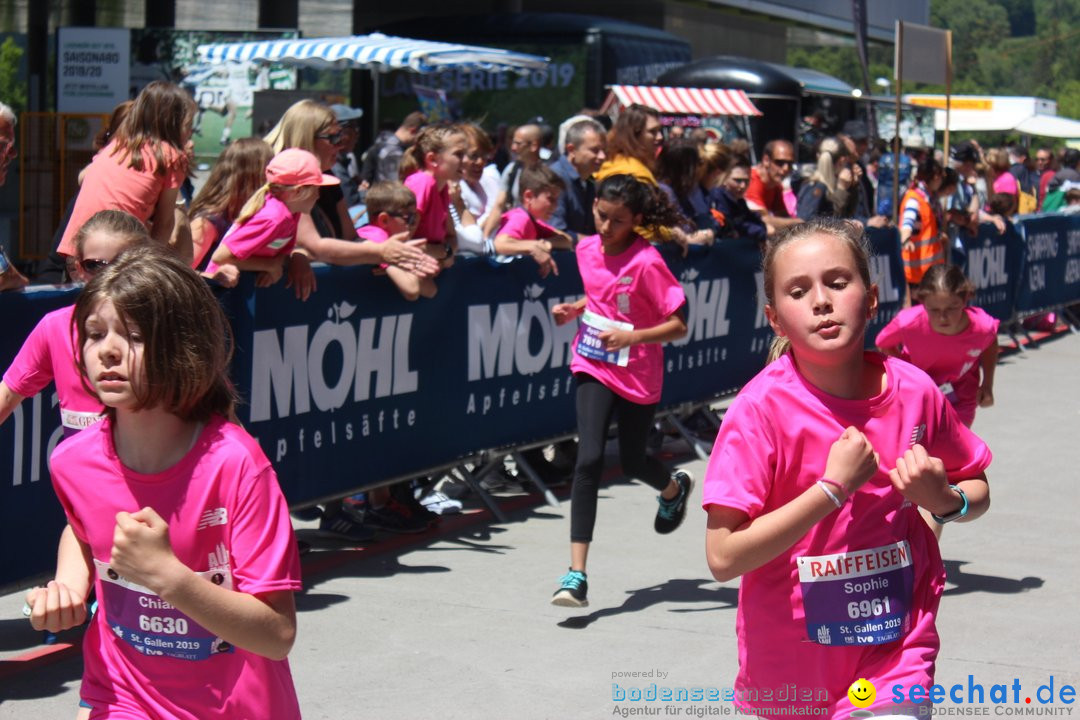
{"x": 582, "y": 155}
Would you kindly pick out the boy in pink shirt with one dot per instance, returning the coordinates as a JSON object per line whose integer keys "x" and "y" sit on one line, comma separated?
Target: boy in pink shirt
{"x": 524, "y": 230}
{"x": 813, "y": 489}
{"x": 391, "y": 210}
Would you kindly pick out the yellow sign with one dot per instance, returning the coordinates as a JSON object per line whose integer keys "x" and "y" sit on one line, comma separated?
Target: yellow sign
{"x": 938, "y": 101}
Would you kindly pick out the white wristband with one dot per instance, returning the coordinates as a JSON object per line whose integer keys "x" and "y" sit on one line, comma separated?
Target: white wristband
{"x": 831, "y": 495}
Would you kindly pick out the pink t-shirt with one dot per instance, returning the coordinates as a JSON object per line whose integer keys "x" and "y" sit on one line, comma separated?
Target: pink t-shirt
{"x": 227, "y": 521}
{"x": 520, "y": 225}
{"x": 951, "y": 359}
{"x": 270, "y": 232}
{"x": 797, "y": 622}
{"x": 632, "y": 287}
{"x": 1006, "y": 183}
{"x": 111, "y": 184}
{"x": 49, "y": 355}
{"x": 432, "y": 204}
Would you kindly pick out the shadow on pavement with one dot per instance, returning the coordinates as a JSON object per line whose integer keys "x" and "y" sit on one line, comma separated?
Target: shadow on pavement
{"x": 672, "y": 591}
{"x": 969, "y": 582}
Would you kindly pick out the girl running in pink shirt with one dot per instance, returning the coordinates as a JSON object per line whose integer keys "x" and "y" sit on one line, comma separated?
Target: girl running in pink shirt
{"x": 632, "y": 304}
{"x": 948, "y": 339}
{"x": 48, "y": 353}
{"x": 264, "y": 233}
{"x": 813, "y": 490}
{"x": 176, "y": 513}
{"x": 430, "y": 163}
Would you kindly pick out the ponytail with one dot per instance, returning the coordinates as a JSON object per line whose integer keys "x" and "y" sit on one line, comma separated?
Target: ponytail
{"x": 254, "y": 203}
{"x": 431, "y": 139}
{"x": 779, "y": 346}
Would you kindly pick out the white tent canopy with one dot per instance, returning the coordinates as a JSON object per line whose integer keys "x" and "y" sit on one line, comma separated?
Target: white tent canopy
{"x": 375, "y": 52}
{"x": 995, "y": 113}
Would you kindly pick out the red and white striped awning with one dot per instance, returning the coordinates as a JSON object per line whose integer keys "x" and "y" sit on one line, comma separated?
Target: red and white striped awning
{"x": 683, "y": 100}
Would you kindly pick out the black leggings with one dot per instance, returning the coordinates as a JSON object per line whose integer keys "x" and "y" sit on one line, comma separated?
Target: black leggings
{"x": 595, "y": 406}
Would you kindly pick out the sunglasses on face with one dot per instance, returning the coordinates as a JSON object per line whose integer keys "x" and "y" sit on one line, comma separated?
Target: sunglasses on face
{"x": 782, "y": 163}
{"x": 409, "y": 218}
{"x": 92, "y": 266}
{"x": 332, "y": 138}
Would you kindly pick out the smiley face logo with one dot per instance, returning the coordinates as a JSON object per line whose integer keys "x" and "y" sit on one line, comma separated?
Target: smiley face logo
{"x": 861, "y": 693}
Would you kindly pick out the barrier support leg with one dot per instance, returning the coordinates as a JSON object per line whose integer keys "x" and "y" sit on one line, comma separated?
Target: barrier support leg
{"x": 1070, "y": 319}
{"x": 1016, "y": 340}
{"x": 701, "y": 449}
{"x": 484, "y": 495}
{"x": 534, "y": 477}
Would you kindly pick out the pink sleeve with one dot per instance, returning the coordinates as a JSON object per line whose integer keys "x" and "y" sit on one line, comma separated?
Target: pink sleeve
{"x": 665, "y": 288}
{"x": 32, "y": 369}
{"x": 964, "y": 454}
{"x": 544, "y": 230}
{"x": 264, "y": 554}
{"x": 513, "y": 224}
{"x": 1006, "y": 183}
{"x": 742, "y": 464}
{"x": 251, "y": 236}
{"x": 424, "y": 191}
{"x": 988, "y": 324}
{"x": 889, "y": 336}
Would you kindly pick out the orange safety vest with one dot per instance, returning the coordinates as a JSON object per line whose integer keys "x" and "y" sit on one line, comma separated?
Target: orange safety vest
{"x": 929, "y": 249}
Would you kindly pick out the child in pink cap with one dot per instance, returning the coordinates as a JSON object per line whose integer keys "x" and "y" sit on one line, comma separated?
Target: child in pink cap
{"x": 264, "y": 234}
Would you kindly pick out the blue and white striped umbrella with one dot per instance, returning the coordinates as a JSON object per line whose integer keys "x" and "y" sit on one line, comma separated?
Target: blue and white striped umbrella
{"x": 375, "y": 51}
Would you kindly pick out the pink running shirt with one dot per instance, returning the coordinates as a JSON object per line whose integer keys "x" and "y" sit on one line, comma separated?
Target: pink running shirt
{"x": 520, "y": 225}
{"x": 432, "y": 204}
{"x": 49, "y": 355}
{"x": 110, "y": 184}
{"x": 228, "y": 521}
{"x": 952, "y": 359}
{"x": 795, "y": 621}
{"x": 270, "y": 232}
{"x": 632, "y": 287}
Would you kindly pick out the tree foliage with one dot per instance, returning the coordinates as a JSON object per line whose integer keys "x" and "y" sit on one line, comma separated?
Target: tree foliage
{"x": 1000, "y": 47}
{"x": 12, "y": 82}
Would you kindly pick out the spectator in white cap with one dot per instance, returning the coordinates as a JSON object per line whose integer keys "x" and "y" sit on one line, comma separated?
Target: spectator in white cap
{"x": 346, "y": 167}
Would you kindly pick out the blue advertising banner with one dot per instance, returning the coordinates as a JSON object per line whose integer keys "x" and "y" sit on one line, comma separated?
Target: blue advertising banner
{"x": 1051, "y": 274}
{"x": 887, "y": 272}
{"x": 994, "y": 263}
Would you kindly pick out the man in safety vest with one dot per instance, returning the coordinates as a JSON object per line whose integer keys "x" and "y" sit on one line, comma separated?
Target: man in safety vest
{"x": 922, "y": 242}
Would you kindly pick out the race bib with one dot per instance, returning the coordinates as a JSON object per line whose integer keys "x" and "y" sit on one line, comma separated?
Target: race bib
{"x": 589, "y": 345}
{"x": 152, "y": 626}
{"x": 860, "y": 597}
{"x": 74, "y": 420}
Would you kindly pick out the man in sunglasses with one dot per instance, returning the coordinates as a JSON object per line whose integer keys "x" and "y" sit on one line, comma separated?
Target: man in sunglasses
{"x": 765, "y": 196}
{"x": 10, "y": 277}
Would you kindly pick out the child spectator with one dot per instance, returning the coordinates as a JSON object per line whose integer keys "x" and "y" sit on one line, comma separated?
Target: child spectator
{"x": 525, "y": 230}
{"x": 264, "y": 234}
{"x": 141, "y": 169}
{"x": 433, "y": 161}
{"x": 391, "y": 210}
{"x": 238, "y": 173}
{"x": 176, "y": 515}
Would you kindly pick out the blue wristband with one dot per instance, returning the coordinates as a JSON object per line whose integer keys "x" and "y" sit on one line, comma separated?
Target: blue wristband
{"x": 942, "y": 519}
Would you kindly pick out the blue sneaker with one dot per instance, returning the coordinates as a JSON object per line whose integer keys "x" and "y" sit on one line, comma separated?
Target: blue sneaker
{"x": 573, "y": 588}
{"x": 671, "y": 512}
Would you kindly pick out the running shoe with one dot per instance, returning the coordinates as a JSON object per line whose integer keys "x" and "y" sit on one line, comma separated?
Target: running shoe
{"x": 573, "y": 589}
{"x": 440, "y": 504}
{"x": 340, "y": 526}
{"x": 671, "y": 512}
{"x": 395, "y": 518}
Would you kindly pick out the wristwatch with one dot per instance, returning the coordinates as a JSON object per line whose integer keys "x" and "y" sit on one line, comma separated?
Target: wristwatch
{"x": 956, "y": 515}
{"x": 449, "y": 251}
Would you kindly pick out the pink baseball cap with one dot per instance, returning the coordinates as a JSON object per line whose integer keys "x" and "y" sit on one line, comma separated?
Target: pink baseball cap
{"x": 294, "y": 166}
